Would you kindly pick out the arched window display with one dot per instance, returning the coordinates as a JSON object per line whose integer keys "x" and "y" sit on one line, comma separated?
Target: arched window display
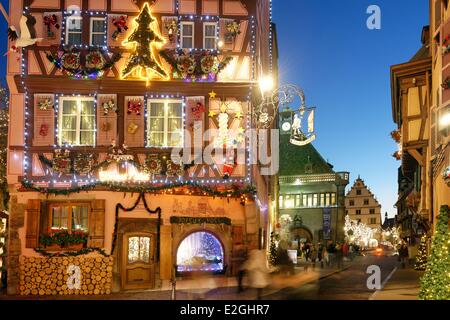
{"x": 200, "y": 252}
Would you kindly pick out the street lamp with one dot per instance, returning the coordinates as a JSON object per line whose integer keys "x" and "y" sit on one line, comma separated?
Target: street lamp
{"x": 266, "y": 84}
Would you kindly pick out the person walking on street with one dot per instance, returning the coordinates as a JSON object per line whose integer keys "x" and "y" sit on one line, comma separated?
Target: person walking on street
{"x": 320, "y": 255}
{"x": 258, "y": 272}
{"x": 404, "y": 254}
{"x": 326, "y": 257}
{"x": 345, "y": 250}
{"x": 313, "y": 255}
{"x": 339, "y": 255}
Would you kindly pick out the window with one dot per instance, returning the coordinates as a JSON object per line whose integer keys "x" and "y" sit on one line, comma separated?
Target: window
{"x": 68, "y": 216}
{"x": 372, "y": 211}
{"x": 280, "y": 198}
{"x": 98, "y": 31}
{"x": 333, "y": 199}
{"x": 187, "y": 35}
{"x": 76, "y": 121}
{"x": 366, "y": 202}
{"x": 298, "y": 201}
{"x": 352, "y": 203}
{"x": 209, "y": 35}
{"x": 305, "y": 200}
{"x": 327, "y": 199}
{"x": 165, "y": 123}
{"x": 289, "y": 202}
{"x": 315, "y": 200}
{"x": 74, "y": 30}
{"x": 138, "y": 249}
{"x": 373, "y": 221}
{"x": 358, "y": 211}
{"x": 358, "y": 192}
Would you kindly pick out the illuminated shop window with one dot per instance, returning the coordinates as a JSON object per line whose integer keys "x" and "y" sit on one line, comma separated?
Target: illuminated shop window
{"x": 76, "y": 121}
{"x": 200, "y": 251}
{"x": 165, "y": 123}
{"x": 138, "y": 249}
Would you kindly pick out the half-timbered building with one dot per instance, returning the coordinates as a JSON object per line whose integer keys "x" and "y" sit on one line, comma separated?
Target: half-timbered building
{"x": 99, "y": 105}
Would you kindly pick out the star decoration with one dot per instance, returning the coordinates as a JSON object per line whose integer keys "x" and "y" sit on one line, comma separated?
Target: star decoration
{"x": 240, "y": 138}
{"x": 238, "y": 115}
{"x": 223, "y": 108}
{"x": 211, "y": 114}
{"x": 212, "y": 95}
{"x": 241, "y": 130}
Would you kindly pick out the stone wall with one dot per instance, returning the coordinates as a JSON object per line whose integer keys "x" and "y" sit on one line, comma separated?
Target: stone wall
{"x": 16, "y": 221}
{"x": 56, "y": 275}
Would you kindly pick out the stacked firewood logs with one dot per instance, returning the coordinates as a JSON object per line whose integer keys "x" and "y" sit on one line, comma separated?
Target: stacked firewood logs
{"x": 51, "y": 276}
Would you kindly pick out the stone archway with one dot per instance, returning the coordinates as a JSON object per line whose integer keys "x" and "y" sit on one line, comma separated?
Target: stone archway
{"x": 303, "y": 234}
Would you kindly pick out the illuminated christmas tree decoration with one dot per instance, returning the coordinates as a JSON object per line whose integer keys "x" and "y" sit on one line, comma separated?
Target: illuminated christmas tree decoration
{"x": 146, "y": 38}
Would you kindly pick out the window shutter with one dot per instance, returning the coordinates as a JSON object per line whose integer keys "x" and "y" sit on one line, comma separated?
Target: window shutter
{"x": 446, "y": 62}
{"x": 44, "y": 120}
{"x": 111, "y": 28}
{"x": 194, "y": 116}
{"x": 44, "y": 216}
{"x": 134, "y": 121}
{"x": 54, "y": 37}
{"x": 32, "y": 231}
{"x": 166, "y": 22}
{"x": 228, "y": 43}
{"x": 106, "y": 119}
{"x": 97, "y": 224}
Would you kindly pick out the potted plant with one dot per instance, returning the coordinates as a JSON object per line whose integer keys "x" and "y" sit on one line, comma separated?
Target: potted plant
{"x": 58, "y": 239}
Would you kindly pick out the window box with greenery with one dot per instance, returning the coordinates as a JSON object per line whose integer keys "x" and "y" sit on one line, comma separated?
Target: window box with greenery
{"x": 63, "y": 239}
{"x": 68, "y": 225}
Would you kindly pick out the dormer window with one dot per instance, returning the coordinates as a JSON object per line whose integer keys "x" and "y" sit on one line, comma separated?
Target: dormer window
{"x": 74, "y": 30}
{"x": 210, "y": 35}
{"x": 98, "y": 31}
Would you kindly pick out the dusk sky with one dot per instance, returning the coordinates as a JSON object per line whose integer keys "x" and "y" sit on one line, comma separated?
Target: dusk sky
{"x": 343, "y": 67}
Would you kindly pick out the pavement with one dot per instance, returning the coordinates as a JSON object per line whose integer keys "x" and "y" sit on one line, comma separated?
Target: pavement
{"x": 330, "y": 283}
{"x": 404, "y": 284}
{"x": 209, "y": 288}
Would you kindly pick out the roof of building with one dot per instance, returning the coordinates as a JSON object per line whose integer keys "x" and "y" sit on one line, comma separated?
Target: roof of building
{"x": 293, "y": 159}
{"x": 360, "y": 184}
{"x": 424, "y": 51}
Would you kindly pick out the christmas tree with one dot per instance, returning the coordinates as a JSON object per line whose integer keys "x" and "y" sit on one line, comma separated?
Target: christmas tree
{"x": 4, "y": 123}
{"x": 273, "y": 249}
{"x": 144, "y": 37}
{"x": 435, "y": 283}
{"x": 421, "y": 258}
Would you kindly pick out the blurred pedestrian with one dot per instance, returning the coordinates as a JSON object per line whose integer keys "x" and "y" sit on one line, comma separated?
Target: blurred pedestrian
{"x": 345, "y": 250}
{"x": 320, "y": 254}
{"x": 350, "y": 252}
{"x": 257, "y": 270}
{"x": 338, "y": 250}
{"x": 313, "y": 255}
{"x": 326, "y": 257}
{"x": 404, "y": 254}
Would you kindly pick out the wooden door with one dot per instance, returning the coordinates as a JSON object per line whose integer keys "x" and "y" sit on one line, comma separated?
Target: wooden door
{"x": 138, "y": 261}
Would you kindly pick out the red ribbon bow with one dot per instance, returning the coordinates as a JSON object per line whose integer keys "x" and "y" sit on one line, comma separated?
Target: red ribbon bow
{"x": 134, "y": 107}
{"x": 51, "y": 21}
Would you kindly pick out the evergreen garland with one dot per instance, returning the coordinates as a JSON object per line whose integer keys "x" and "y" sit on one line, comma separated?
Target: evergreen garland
{"x": 83, "y": 72}
{"x": 119, "y": 187}
{"x": 70, "y": 253}
{"x": 435, "y": 283}
{"x": 200, "y": 220}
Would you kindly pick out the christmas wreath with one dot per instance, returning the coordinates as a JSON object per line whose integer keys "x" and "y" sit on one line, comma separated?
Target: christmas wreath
{"x": 70, "y": 61}
{"x": 95, "y": 60}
